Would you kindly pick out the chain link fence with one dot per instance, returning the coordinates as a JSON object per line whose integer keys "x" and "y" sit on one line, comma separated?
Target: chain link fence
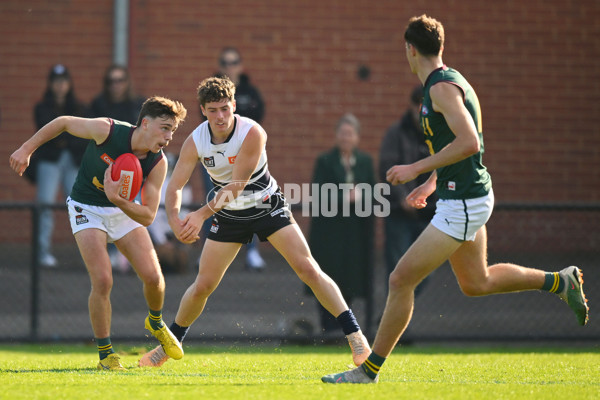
{"x": 47, "y": 304}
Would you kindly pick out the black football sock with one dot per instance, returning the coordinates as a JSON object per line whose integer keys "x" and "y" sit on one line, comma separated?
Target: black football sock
{"x": 179, "y": 331}
{"x": 348, "y": 322}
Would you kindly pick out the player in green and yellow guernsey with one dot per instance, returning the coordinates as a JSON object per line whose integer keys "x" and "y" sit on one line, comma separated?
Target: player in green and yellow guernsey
{"x": 468, "y": 178}
{"x": 99, "y": 215}
{"x": 88, "y": 187}
{"x": 451, "y": 121}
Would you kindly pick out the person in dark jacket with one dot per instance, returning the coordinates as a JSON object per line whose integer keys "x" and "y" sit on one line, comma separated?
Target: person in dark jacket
{"x": 248, "y": 100}
{"x": 117, "y": 100}
{"x": 404, "y": 143}
{"x": 342, "y": 244}
{"x": 57, "y": 161}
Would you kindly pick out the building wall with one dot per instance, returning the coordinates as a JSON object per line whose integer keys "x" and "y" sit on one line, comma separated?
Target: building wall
{"x": 532, "y": 63}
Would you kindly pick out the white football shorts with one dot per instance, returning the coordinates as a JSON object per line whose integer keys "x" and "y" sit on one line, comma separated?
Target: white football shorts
{"x": 461, "y": 219}
{"x": 111, "y": 220}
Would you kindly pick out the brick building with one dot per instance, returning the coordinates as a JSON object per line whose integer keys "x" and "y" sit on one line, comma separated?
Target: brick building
{"x": 532, "y": 63}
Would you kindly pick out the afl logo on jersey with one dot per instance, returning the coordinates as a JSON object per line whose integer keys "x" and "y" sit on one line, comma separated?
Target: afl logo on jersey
{"x": 424, "y": 110}
{"x": 209, "y": 161}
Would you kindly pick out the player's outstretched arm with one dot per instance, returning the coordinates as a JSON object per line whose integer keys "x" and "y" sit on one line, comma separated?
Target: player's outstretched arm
{"x": 86, "y": 128}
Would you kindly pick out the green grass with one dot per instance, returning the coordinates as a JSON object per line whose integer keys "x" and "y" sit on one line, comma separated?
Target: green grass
{"x": 293, "y": 372}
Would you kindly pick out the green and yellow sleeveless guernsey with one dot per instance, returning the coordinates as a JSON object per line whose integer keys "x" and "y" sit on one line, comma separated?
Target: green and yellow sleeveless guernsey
{"x": 466, "y": 179}
{"x": 89, "y": 187}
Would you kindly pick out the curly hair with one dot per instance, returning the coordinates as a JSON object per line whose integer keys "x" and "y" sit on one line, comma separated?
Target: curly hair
{"x": 216, "y": 89}
{"x": 426, "y": 34}
{"x": 157, "y": 106}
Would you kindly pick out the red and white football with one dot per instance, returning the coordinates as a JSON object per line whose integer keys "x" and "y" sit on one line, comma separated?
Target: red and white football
{"x": 128, "y": 165}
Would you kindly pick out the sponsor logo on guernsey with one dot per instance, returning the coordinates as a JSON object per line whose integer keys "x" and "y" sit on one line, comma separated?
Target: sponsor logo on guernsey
{"x": 81, "y": 219}
{"x": 424, "y": 110}
{"x": 126, "y": 187}
{"x": 106, "y": 158}
{"x": 451, "y": 185}
{"x": 209, "y": 161}
{"x": 231, "y": 159}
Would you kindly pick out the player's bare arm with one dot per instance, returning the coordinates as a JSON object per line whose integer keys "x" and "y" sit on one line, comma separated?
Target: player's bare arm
{"x": 85, "y": 128}
{"x": 142, "y": 213}
{"x": 245, "y": 164}
{"x": 418, "y": 197}
{"x": 447, "y": 99}
{"x": 188, "y": 158}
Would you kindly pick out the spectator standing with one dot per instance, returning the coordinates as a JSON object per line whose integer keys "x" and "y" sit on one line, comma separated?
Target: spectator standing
{"x": 342, "y": 244}
{"x": 404, "y": 143}
{"x": 56, "y": 162}
{"x": 117, "y": 100}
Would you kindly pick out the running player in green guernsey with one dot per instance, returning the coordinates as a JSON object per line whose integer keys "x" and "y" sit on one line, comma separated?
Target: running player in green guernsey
{"x": 451, "y": 121}
{"x": 99, "y": 215}
{"x": 468, "y": 178}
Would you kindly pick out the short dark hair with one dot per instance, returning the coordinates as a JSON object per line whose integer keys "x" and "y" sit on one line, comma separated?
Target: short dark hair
{"x": 215, "y": 89}
{"x": 426, "y": 34}
{"x": 157, "y": 106}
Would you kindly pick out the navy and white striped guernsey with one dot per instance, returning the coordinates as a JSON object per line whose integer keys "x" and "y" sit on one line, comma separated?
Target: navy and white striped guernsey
{"x": 219, "y": 160}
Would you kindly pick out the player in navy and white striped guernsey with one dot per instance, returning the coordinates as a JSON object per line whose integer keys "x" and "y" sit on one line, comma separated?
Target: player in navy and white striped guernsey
{"x": 247, "y": 202}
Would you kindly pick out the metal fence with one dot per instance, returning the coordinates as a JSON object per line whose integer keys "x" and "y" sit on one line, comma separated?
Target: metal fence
{"x": 45, "y": 304}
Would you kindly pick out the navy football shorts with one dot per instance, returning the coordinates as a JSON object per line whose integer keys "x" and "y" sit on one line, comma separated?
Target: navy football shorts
{"x": 239, "y": 226}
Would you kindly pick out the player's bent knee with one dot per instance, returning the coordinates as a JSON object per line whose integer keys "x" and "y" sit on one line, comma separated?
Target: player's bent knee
{"x": 310, "y": 277}
{"x": 473, "y": 289}
{"x": 203, "y": 289}
{"x": 398, "y": 280}
{"x": 154, "y": 280}
{"x": 308, "y": 272}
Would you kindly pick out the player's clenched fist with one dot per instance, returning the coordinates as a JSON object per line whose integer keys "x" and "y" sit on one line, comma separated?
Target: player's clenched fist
{"x": 19, "y": 160}
{"x": 401, "y": 174}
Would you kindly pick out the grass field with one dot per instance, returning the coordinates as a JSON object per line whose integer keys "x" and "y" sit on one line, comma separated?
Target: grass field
{"x": 293, "y": 372}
